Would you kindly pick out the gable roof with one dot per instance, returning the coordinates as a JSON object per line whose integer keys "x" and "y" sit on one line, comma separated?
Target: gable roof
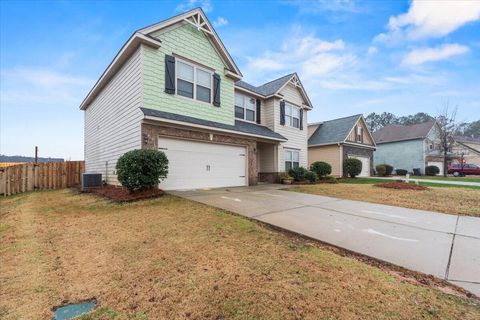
{"x": 195, "y": 17}
{"x": 198, "y": 19}
{"x": 395, "y": 132}
{"x": 273, "y": 87}
{"x": 333, "y": 131}
{"x": 240, "y": 127}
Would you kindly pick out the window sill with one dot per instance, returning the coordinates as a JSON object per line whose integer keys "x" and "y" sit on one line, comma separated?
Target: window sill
{"x": 194, "y": 100}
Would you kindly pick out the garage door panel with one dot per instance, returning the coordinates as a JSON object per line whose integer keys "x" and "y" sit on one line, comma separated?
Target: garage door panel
{"x": 365, "y": 165}
{"x": 195, "y": 164}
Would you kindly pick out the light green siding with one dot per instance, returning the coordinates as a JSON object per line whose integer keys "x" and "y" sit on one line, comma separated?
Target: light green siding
{"x": 190, "y": 43}
{"x": 401, "y": 155}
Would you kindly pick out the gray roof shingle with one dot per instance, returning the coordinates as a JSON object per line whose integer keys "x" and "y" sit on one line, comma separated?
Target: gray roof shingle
{"x": 240, "y": 126}
{"x": 268, "y": 88}
{"x": 395, "y": 132}
{"x": 333, "y": 131}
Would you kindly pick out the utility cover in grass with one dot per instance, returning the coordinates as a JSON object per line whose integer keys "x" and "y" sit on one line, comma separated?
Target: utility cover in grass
{"x": 73, "y": 310}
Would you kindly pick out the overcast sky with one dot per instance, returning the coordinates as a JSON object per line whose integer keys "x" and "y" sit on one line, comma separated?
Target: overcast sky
{"x": 352, "y": 56}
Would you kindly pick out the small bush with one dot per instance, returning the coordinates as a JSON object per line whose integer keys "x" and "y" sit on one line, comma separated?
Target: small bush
{"x": 401, "y": 172}
{"x": 388, "y": 169}
{"x": 142, "y": 169}
{"x": 432, "y": 170}
{"x": 311, "y": 176}
{"x": 284, "y": 176}
{"x": 321, "y": 168}
{"x": 352, "y": 167}
{"x": 381, "y": 170}
{"x": 298, "y": 174}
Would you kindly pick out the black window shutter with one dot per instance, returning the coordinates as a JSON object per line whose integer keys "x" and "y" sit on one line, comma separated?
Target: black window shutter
{"x": 216, "y": 90}
{"x": 282, "y": 113}
{"x": 301, "y": 119}
{"x": 259, "y": 103}
{"x": 169, "y": 74}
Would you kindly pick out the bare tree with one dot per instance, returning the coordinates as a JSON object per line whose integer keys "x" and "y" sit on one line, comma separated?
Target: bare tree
{"x": 448, "y": 126}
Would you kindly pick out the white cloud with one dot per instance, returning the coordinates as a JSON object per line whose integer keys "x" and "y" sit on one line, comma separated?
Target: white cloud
{"x": 309, "y": 55}
{"x": 206, "y": 5}
{"x": 369, "y": 103}
{"x": 221, "y": 21}
{"x": 372, "y": 50}
{"x": 423, "y": 55}
{"x": 427, "y": 19}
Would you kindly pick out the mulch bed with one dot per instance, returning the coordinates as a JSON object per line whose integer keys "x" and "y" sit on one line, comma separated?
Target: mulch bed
{"x": 120, "y": 194}
{"x": 400, "y": 186}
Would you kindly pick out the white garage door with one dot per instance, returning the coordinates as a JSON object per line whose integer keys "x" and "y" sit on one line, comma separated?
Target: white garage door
{"x": 194, "y": 165}
{"x": 365, "y": 165}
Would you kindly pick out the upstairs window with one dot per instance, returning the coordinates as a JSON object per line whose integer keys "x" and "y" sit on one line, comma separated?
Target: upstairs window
{"x": 292, "y": 116}
{"x": 244, "y": 107}
{"x": 193, "y": 81}
{"x": 292, "y": 159}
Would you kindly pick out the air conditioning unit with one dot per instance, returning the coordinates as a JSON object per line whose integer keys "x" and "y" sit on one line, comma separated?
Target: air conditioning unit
{"x": 91, "y": 180}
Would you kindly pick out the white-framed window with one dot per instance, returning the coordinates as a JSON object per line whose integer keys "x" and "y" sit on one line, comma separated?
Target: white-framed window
{"x": 292, "y": 116}
{"x": 193, "y": 82}
{"x": 292, "y": 159}
{"x": 245, "y": 107}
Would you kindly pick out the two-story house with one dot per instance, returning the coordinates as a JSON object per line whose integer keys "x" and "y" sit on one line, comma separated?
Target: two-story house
{"x": 409, "y": 147}
{"x": 174, "y": 87}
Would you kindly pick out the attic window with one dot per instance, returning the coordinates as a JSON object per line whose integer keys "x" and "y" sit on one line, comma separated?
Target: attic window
{"x": 359, "y": 135}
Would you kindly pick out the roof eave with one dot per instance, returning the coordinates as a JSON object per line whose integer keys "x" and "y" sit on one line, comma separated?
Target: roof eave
{"x": 122, "y": 56}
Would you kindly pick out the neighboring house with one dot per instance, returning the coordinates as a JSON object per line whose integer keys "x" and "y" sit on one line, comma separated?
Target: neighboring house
{"x": 409, "y": 147}
{"x": 468, "y": 148}
{"x": 174, "y": 87}
{"x": 334, "y": 141}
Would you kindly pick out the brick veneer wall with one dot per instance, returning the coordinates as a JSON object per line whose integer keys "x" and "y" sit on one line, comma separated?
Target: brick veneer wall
{"x": 358, "y": 151}
{"x": 151, "y": 132}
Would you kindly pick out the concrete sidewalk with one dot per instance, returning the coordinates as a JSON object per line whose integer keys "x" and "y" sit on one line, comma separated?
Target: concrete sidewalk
{"x": 443, "y": 245}
{"x": 446, "y": 181}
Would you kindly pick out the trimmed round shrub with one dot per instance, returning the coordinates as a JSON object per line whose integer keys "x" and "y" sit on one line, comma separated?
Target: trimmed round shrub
{"x": 401, "y": 172}
{"x": 298, "y": 174}
{"x": 432, "y": 170}
{"x": 321, "y": 168}
{"x": 352, "y": 167}
{"x": 311, "y": 176}
{"x": 381, "y": 170}
{"x": 142, "y": 169}
{"x": 388, "y": 169}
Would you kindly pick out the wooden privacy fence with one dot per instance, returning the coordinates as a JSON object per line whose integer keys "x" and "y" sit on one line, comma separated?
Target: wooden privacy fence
{"x": 48, "y": 175}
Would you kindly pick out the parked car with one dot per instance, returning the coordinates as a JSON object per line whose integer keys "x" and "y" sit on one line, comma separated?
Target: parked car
{"x": 457, "y": 170}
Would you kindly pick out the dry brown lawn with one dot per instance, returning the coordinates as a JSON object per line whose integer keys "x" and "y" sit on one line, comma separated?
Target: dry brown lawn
{"x": 170, "y": 258}
{"x": 461, "y": 201}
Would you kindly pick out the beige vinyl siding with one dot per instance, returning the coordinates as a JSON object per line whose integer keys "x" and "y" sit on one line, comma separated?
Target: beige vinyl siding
{"x": 112, "y": 121}
{"x": 267, "y": 116}
{"x": 366, "y": 136}
{"x": 331, "y": 154}
{"x": 297, "y": 139}
{"x": 311, "y": 129}
{"x": 266, "y": 158}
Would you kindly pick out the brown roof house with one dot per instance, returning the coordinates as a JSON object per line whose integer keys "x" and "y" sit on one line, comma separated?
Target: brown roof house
{"x": 335, "y": 140}
{"x": 409, "y": 147}
{"x": 468, "y": 148}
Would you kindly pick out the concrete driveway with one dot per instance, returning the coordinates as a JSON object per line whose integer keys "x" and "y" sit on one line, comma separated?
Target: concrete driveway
{"x": 443, "y": 245}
